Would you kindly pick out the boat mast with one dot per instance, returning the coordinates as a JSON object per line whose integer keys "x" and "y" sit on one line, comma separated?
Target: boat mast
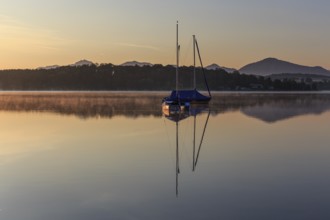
{"x": 177, "y": 169}
{"x": 194, "y": 40}
{"x": 200, "y": 60}
{"x": 177, "y": 59}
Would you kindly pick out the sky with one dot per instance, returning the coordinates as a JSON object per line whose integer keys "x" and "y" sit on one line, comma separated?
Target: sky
{"x": 231, "y": 33}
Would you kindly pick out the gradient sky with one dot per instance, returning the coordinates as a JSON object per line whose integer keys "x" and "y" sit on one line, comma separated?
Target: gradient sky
{"x": 231, "y": 33}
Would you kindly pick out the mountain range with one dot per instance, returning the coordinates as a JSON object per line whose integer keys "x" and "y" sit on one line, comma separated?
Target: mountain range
{"x": 76, "y": 64}
{"x": 265, "y": 67}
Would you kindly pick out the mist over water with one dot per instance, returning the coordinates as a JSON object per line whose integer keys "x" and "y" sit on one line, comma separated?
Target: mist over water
{"x": 106, "y": 155}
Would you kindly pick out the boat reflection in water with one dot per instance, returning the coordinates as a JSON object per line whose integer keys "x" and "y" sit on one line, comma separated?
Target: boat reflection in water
{"x": 178, "y": 113}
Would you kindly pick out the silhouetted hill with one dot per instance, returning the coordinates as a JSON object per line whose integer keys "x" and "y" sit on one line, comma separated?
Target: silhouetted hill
{"x": 217, "y": 67}
{"x": 83, "y": 63}
{"x": 274, "y": 66}
{"x": 136, "y": 63}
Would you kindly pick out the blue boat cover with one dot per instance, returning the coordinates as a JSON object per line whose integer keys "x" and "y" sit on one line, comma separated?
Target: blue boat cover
{"x": 187, "y": 96}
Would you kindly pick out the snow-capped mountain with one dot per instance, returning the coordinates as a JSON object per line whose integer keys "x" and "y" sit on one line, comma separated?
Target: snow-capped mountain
{"x": 135, "y": 63}
{"x": 83, "y": 63}
{"x": 216, "y": 67}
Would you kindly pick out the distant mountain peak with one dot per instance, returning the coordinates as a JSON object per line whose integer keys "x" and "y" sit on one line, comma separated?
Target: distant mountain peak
{"x": 271, "y": 66}
{"x": 270, "y": 59}
{"x": 136, "y": 63}
{"x": 215, "y": 66}
{"x": 83, "y": 63}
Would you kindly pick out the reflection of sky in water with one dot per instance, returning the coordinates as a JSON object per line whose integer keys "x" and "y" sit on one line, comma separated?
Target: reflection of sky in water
{"x": 62, "y": 167}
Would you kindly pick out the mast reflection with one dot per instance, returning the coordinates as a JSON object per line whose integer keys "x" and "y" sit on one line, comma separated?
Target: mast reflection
{"x": 178, "y": 115}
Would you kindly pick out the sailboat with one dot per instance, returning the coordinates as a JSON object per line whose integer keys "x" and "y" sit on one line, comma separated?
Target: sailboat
{"x": 183, "y": 98}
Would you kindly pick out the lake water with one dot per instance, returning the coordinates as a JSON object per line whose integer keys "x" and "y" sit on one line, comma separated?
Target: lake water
{"x": 100, "y": 156}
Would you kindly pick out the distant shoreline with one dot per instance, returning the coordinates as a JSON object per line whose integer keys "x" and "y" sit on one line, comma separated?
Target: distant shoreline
{"x": 143, "y": 79}
{"x": 151, "y": 92}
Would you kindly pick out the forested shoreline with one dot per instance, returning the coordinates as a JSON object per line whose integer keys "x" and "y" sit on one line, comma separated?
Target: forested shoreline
{"x": 147, "y": 78}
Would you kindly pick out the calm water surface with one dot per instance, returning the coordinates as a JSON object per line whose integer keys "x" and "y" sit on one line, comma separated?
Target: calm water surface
{"x": 100, "y": 156}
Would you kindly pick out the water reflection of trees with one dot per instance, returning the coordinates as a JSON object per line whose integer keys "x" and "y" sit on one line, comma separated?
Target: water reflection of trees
{"x": 84, "y": 104}
{"x": 130, "y": 104}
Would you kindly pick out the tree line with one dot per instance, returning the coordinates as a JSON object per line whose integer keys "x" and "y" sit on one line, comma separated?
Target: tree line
{"x": 156, "y": 77}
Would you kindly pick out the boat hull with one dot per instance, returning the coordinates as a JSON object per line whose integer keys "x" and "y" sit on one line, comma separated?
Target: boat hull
{"x": 187, "y": 96}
